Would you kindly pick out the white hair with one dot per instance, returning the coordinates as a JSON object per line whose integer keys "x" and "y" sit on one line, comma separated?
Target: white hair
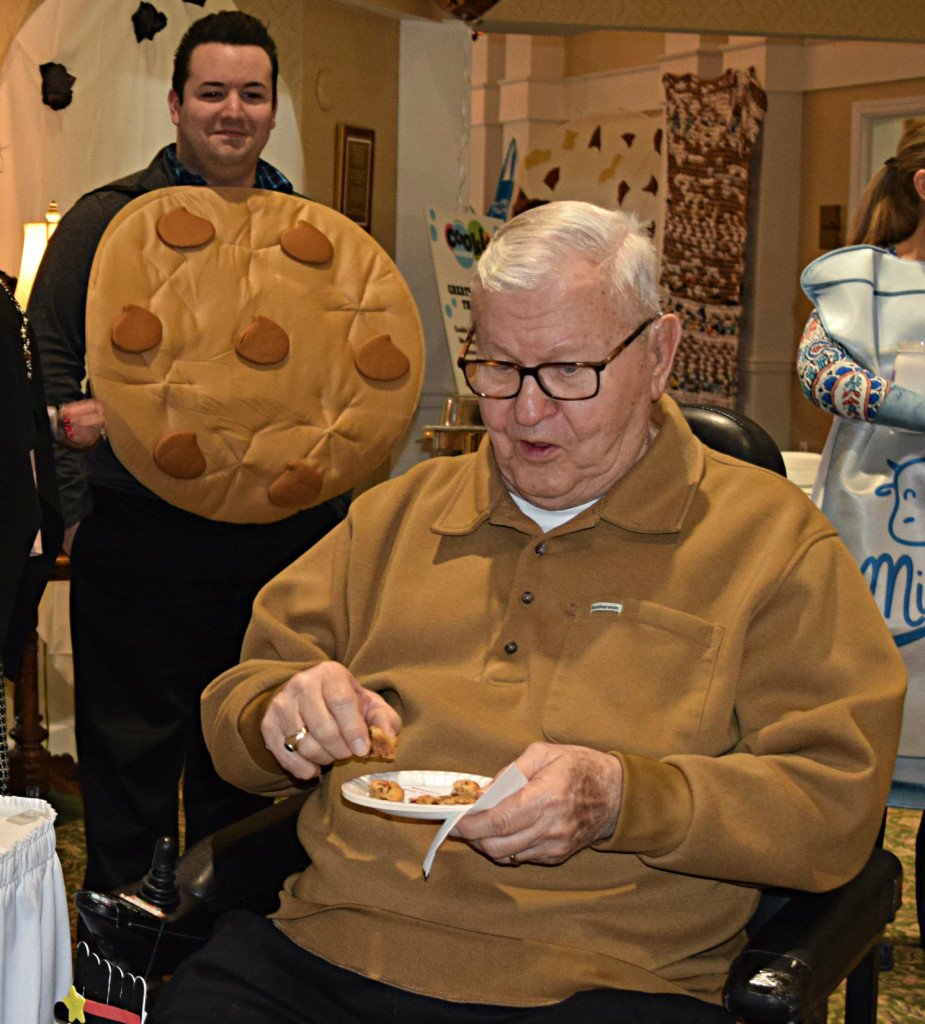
{"x": 529, "y": 252}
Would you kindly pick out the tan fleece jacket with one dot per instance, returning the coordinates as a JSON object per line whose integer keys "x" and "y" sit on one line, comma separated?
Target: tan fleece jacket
{"x": 702, "y": 622}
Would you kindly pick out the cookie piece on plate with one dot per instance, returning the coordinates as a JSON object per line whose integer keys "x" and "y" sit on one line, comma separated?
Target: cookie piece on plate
{"x": 386, "y": 789}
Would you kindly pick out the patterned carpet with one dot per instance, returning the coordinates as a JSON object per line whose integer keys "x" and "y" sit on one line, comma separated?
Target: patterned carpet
{"x": 902, "y": 990}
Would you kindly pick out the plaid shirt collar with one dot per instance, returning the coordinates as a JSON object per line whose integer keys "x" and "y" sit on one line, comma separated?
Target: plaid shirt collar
{"x": 268, "y": 176}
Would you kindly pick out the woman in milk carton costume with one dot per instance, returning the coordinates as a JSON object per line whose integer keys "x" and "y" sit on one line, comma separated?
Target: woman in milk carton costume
{"x": 870, "y": 298}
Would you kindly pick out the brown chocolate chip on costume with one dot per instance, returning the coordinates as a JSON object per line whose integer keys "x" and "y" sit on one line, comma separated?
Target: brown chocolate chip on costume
{"x": 137, "y": 330}
{"x": 183, "y": 229}
{"x": 297, "y": 487}
{"x": 307, "y": 244}
{"x": 379, "y": 359}
{"x": 262, "y": 341}
{"x": 178, "y": 455}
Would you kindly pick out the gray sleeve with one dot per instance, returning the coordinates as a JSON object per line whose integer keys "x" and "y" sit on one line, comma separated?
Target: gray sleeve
{"x": 57, "y": 311}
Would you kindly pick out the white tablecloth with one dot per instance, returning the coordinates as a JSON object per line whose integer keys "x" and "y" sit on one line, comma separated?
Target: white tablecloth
{"x": 35, "y": 938}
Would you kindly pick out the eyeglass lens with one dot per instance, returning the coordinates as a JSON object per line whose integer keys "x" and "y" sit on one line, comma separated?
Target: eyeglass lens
{"x": 500, "y": 380}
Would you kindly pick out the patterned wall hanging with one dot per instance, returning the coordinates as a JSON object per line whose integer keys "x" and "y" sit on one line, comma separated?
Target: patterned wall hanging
{"x": 614, "y": 162}
{"x": 712, "y": 126}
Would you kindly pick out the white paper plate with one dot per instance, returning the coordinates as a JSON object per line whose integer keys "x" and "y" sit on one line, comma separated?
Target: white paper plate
{"x": 414, "y": 783}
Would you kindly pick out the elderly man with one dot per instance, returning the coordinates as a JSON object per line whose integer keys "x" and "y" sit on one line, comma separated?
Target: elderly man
{"x": 160, "y": 597}
{"x": 673, "y": 647}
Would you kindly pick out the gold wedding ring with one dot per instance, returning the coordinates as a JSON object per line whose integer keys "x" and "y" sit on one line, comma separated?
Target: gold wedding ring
{"x": 512, "y": 860}
{"x": 291, "y": 742}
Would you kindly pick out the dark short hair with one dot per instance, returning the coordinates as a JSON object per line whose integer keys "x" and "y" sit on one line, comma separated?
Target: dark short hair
{"x": 232, "y": 27}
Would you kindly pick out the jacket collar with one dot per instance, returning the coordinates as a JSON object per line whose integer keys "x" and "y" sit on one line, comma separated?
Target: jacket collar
{"x": 653, "y": 497}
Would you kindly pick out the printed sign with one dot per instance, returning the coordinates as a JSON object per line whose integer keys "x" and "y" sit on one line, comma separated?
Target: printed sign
{"x": 457, "y": 241}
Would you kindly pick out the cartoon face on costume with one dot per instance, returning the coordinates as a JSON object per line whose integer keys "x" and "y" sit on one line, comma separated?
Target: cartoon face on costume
{"x": 256, "y": 353}
{"x": 907, "y": 523}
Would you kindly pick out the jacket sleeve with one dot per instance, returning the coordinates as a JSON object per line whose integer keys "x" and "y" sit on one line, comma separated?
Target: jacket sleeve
{"x": 57, "y": 311}
{"x": 836, "y": 383}
{"x": 798, "y": 800}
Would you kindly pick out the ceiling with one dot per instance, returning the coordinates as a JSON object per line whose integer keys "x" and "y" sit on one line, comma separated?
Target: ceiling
{"x": 884, "y": 20}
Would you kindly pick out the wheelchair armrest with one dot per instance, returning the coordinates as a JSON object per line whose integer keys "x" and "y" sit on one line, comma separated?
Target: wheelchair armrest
{"x": 228, "y": 867}
{"x": 803, "y": 952}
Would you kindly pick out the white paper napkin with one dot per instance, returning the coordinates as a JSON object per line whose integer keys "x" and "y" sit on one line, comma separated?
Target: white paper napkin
{"x": 508, "y": 782}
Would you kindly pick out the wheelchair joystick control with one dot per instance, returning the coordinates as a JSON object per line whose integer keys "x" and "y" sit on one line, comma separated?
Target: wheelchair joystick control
{"x": 159, "y": 885}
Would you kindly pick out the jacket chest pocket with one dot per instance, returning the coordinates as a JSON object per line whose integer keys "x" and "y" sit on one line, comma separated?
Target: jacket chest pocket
{"x": 634, "y": 676}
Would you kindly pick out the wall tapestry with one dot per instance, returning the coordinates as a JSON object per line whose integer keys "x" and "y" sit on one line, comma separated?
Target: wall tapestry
{"x": 614, "y": 162}
{"x": 712, "y": 126}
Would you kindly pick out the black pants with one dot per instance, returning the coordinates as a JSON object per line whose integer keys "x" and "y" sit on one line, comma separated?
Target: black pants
{"x": 251, "y": 973}
{"x": 920, "y": 878}
{"x": 160, "y": 600}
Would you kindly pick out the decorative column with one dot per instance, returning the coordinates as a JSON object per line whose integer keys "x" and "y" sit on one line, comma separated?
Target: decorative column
{"x": 486, "y": 133}
{"x": 766, "y": 342}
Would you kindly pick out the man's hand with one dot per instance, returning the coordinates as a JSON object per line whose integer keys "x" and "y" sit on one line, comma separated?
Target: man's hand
{"x": 571, "y": 800}
{"x": 336, "y": 712}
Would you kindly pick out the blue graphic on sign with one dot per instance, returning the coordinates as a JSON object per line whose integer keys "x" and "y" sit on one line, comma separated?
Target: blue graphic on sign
{"x": 896, "y": 583}
{"x": 907, "y": 521}
{"x": 466, "y": 242}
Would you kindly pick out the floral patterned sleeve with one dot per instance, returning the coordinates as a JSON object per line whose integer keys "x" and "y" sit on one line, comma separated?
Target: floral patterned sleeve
{"x": 833, "y": 381}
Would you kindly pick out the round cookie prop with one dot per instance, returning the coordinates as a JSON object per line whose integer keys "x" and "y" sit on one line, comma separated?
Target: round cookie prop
{"x": 256, "y": 353}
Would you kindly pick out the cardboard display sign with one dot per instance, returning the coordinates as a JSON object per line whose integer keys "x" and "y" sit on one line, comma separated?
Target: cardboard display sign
{"x": 457, "y": 241}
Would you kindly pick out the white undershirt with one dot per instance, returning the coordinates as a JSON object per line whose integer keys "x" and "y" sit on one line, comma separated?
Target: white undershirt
{"x": 549, "y": 518}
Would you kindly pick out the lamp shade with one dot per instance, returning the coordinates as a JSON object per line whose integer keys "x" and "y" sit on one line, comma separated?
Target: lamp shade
{"x": 35, "y": 238}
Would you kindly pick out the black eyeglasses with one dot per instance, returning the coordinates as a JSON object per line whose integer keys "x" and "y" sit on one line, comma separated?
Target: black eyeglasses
{"x": 566, "y": 382}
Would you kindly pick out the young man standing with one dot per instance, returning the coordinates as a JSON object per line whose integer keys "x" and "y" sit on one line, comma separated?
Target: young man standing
{"x": 160, "y": 597}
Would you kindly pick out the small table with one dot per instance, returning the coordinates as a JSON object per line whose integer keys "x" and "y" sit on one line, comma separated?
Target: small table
{"x": 31, "y": 764}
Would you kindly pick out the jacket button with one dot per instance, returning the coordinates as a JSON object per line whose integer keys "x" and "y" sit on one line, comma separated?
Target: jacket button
{"x": 510, "y": 647}
{"x": 526, "y": 597}
{"x": 540, "y": 549}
